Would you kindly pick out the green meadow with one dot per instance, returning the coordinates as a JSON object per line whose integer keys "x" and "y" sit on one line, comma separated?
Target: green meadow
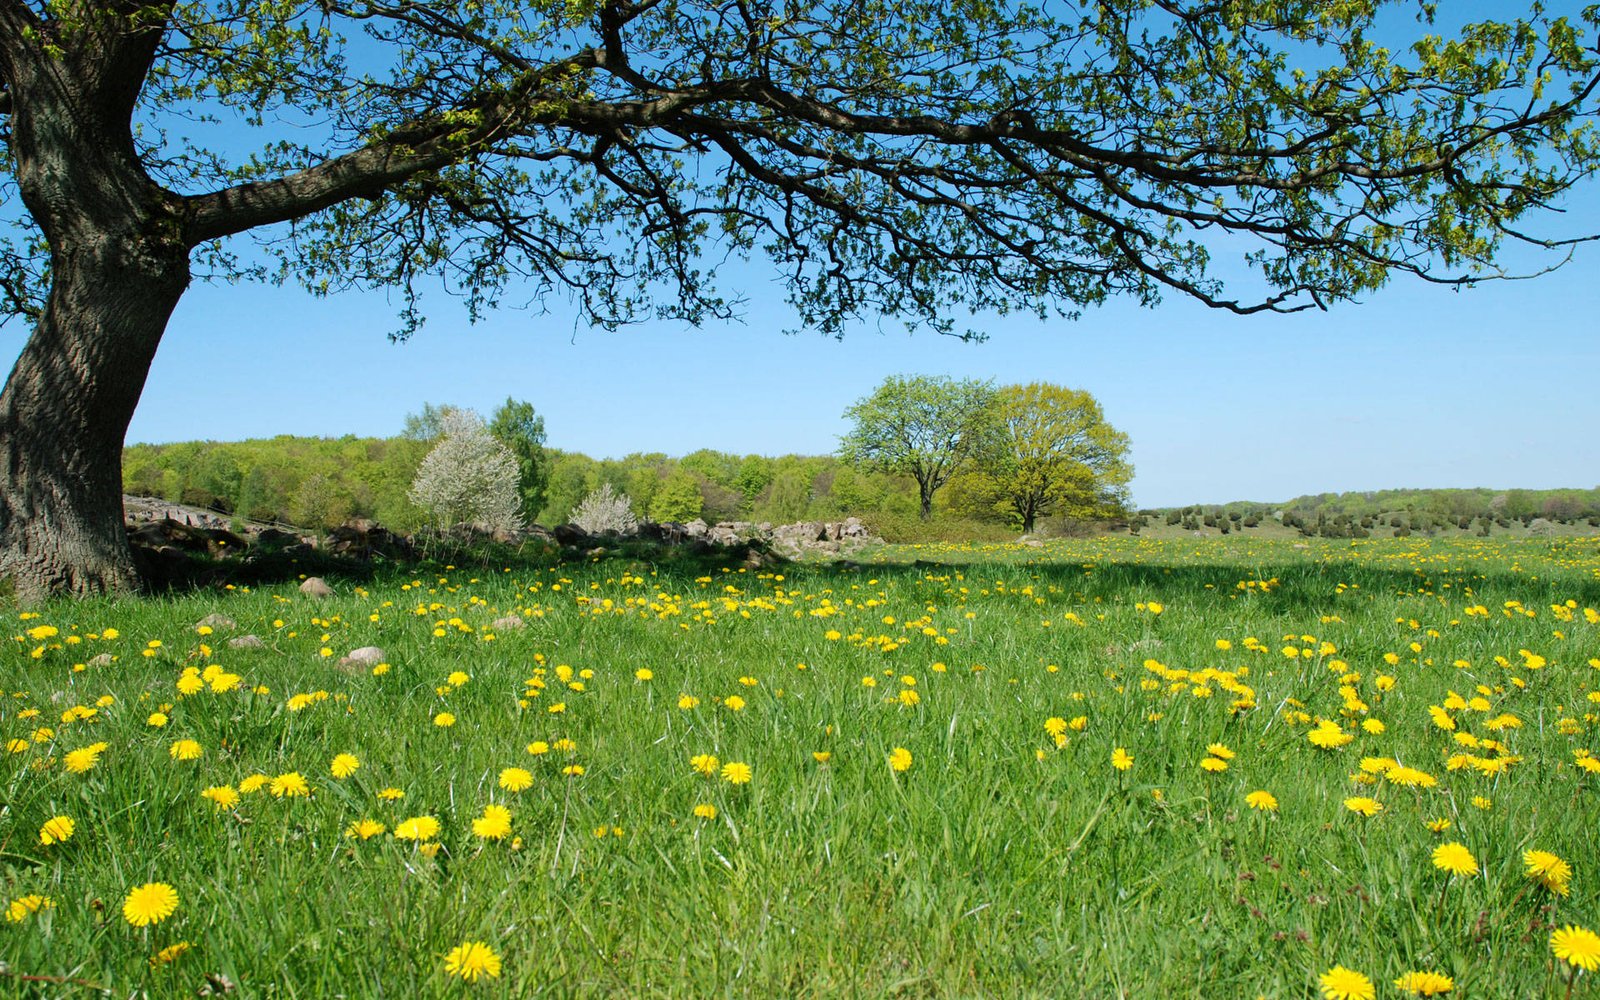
{"x": 896, "y": 777}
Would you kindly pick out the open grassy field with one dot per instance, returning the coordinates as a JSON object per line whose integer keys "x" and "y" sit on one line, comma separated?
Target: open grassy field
{"x": 946, "y": 772}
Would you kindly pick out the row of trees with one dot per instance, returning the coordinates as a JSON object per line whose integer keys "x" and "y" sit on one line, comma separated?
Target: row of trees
{"x": 1391, "y": 512}
{"x": 1003, "y": 456}
{"x": 320, "y": 482}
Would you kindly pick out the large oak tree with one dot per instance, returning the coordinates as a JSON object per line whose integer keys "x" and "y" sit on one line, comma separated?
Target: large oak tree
{"x": 910, "y": 158}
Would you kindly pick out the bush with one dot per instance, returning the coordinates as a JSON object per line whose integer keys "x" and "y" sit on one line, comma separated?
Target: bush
{"x": 913, "y": 530}
{"x": 606, "y": 512}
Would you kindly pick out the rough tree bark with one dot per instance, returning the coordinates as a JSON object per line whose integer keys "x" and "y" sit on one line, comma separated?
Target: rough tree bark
{"x": 64, "y": 413}
{"x": 119, "y": 263}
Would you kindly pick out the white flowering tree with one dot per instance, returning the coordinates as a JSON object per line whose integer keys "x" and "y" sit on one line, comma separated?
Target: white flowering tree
{"x": 606, "y": 512}
{"x": 469, "y": 476}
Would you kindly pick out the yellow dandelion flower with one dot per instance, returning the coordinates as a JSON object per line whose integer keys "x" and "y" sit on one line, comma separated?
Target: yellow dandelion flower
{"x": 252, "y": 784}
{"x": 1425, "y": 984}
{"x": 1363, "y": 805}
{"x": 1454, "y": 858}
{"x": 56, "y": 830}
{"x": 417, "y": 828}
{"x": 472, "y": 959}
{"x": 170, "y": 954}
{"x": 705, "y": 810}
{"x": 344, "y": 765}
{"x": 23, "y": 907}
{"x": 1548, "y": 870}
{"x": 186, "y": 750}
{"x": 515, "y": 779}
{"x": 84, "y": 759}
{"x": 366, "y": 829}
{"x": 444, "y": 720}
{"x": 736, "y": 773}
{"x": 289, "y": 785}
{"x": 150, "y": 903}
{"x": 1213, "y": 765}
{"x": 223, "y": 795}
{"x": 1121, "y": 759}
{"x": 704, "y": 763}
{"x": 494, "y": 824}
{"x": 900, "y": 759}
{"x": 1576, "y": 946}
{"x": 1340, "y": 983}
{"x": 1328, "y": 736}
{"x": 1262, "y": 800}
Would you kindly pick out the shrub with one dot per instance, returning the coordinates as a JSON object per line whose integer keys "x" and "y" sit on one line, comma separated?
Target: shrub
{"x": 606, "y": 512}
{"x": 910, "y": 529}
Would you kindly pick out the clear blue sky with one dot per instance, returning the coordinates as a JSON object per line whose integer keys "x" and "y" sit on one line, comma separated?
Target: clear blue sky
{"x": 1419, "y": 386}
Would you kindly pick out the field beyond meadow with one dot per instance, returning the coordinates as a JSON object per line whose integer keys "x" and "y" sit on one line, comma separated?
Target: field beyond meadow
{"x": 1113, "y": 768}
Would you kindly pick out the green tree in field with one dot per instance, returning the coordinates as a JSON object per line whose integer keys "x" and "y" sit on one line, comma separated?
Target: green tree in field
{"x": 678, "y": 500}
{"x": 923, "y": 426}
{"x": 1056, "y": 455}
{"x": 754, "y": 474}
{"x": 911, "y": 159}
{"x": 520, "y": 429}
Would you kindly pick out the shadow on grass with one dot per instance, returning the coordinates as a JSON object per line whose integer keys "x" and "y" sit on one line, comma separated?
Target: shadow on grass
{"x": 1287, "y": 582}
{"x": 175, "y": 573}
{"x": 1290, "y": 584}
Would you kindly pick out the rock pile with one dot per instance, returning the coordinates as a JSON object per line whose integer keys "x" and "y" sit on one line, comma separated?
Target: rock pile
{"x": 167, "y": 533}
{"x": 789, "y": 540}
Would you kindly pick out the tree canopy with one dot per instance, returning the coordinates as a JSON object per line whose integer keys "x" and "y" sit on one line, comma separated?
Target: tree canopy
{"x": 911, "y": 159}
{"x": 1055, "y": 453}
{"x": 923, "y": 426}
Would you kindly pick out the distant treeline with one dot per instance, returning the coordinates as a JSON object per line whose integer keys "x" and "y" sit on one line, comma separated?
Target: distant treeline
{"x": 321, "y": 482}
{"x": 1390, "y": 512}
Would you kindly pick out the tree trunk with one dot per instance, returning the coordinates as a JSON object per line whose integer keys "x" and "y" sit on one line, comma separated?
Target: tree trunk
{"x": 927, "y": 503}
{"x": 66, "y": 408}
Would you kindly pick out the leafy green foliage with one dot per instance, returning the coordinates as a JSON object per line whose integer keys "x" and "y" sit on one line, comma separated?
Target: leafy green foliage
{"x": 678, "y": 500}
{"x": 1055, "y": 454}
{"x": 520, "y": 429}
{"x": 923, "y": 426}
{"x": 914, "y": 158}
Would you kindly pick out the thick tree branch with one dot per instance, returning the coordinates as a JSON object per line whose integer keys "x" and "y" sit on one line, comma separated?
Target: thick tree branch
{"x": 430, "y": 144}
{"x": 19, "y": 26}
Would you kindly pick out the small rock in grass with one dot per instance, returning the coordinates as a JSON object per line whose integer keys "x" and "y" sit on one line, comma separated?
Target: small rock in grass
{"x": 364, "y": 655}
{"x": 102, "y": 660}
{"x": 217, "y": 622}
{"x": 506, "y": 623}
{"x": 316, "y": 587}
{"x": 246, "y": 642}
